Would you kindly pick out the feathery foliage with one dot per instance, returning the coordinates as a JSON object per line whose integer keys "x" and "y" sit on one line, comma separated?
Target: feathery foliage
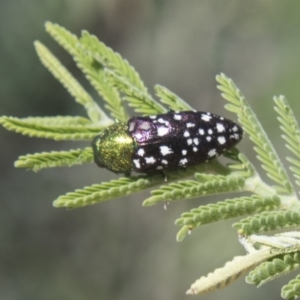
{"x": 93, "y": 71}
{"x": 57, "y": 132}
{"x": 227, "y": 209}
{"x": 170, "y": 99}
{"x": 264, "y": 209}
{"x": 266, "y": 152}
{"x": 290, "y": 127}
{"x": 268, "y": 221}
{"x": 53, "y": 159}
{"x": 291, "y": 291}
{"x": 278, "y": 266}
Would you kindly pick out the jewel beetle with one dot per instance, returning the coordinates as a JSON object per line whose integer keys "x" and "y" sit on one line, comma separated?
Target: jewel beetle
{"x": 165, "y": 141}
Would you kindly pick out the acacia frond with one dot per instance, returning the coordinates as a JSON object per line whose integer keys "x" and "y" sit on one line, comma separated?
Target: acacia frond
{"x": 290, "y": 127}
{"x": 169, "y": 98}
{"x": 232, "y": 270}
{"x": 268, "y": 221}
{"x": 227, "y": 209}
{"x": 106, "y": 191}
{"x": 95, "y": 113}
{"x": 58, "y": 121}
{"x": 266, "y": 153}
{"x": 93, "y": 71}
{"x": 52, "y": 159}
{"x": 270, "y": 270}
{"x": 36, "y": 128}
{"x": 141, "y": 102}
{"x": 291, "y": 290}
{"x": 111, "y": 60}
{"x": 242, "y": 165}
{"x": 203, "y": 186}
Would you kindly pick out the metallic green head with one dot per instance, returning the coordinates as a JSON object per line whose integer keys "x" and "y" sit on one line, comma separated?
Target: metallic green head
{"x": 113, "y": 148}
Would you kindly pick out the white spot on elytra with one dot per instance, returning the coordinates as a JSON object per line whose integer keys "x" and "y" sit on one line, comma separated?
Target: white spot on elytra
{"x": 141, "y": 152}
{"x": 221, "y": 140}
{"x": 201, "y": 131}
{"x": 165, "y": 162}
{"x": 195, "y": 149}
{"x": 189, "y": 125}
{"x": 161, "y": 131}
{"x": 184, "y": 152}
{"x": 137, "y": 163}
{"x": 186, "y": 134}
{"x": 131, "y": 126}
{"x": 150, "y": 160}
{"x": 209, "y": 131}
{"x": 138, "y": 135}
{"x": 222, "y": 118}
{"x": 165, "y": 150}
{"x": 235, "y": 136}
{"x": 235, "y": 128}
{"x": 208, "y": 138}
{"x": 152, "y": 117}
{"x": 177, "y": 117}
{"x": 144, "y": 126}
{"x": 212, "y": 152}
{"x": 206, "y": 117}
{"x": 183, "y": 161}
{"x": 162, "y": 121}
{"x": 220, "y": 127}
{"x": 189, "y": 141}
{"x": 196, "y": 141}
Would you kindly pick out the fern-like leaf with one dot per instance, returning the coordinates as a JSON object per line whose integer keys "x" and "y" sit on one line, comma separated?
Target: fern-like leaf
{"x": 291, "y": 290}
{"x": 229, "y": 273}
{"x": 106, "y": 191}
{"x": 111, "y": 60}
{"x": 271, "y": 270}
{"x": 39, "y": 161}
{"x": 268, "y": 221}
{"x": 195, "y": 188}
{"x": 290, "y": 127}
{"x": 170, "y": 99}
{"x": 141, "y": 102}
{"x": 95, "y": 113}
{"x": 38, "y": 128}
{"x": 93, "y": 71}
{"x": 223, "y": 210}
{"x": 58, "y": 121}
{"x": 264, "y": 148}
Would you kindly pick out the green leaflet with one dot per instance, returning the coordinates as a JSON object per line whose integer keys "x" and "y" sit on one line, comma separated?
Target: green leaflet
{"x": 290, "y": 127}
{"x": 195, "y": 188}
{"x": 141, "y": 101}
{"x": 291, "y": 290}
{"x": 53, "y": 159}
{"x": 106, "y": 191}
{"x": 170, "y": 99}
{"x": 223, "y": 210}
{"x": 95, "y": 113}
{"x": 40, "y": 129}
{"x": 268, "y": 221}
{"x": 93, "y": 71}
{"x": 264, "y": 148}
{"x": 270, "y": 270}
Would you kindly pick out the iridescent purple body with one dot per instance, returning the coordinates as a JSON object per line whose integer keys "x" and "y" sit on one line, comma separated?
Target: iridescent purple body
{"x": 180, "y": 139}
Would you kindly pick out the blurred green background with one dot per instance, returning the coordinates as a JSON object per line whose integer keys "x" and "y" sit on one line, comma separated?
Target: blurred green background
{"x": 118, "y": 249}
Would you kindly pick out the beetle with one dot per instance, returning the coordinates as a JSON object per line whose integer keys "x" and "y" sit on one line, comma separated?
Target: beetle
{"x": 164, "y": 141}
